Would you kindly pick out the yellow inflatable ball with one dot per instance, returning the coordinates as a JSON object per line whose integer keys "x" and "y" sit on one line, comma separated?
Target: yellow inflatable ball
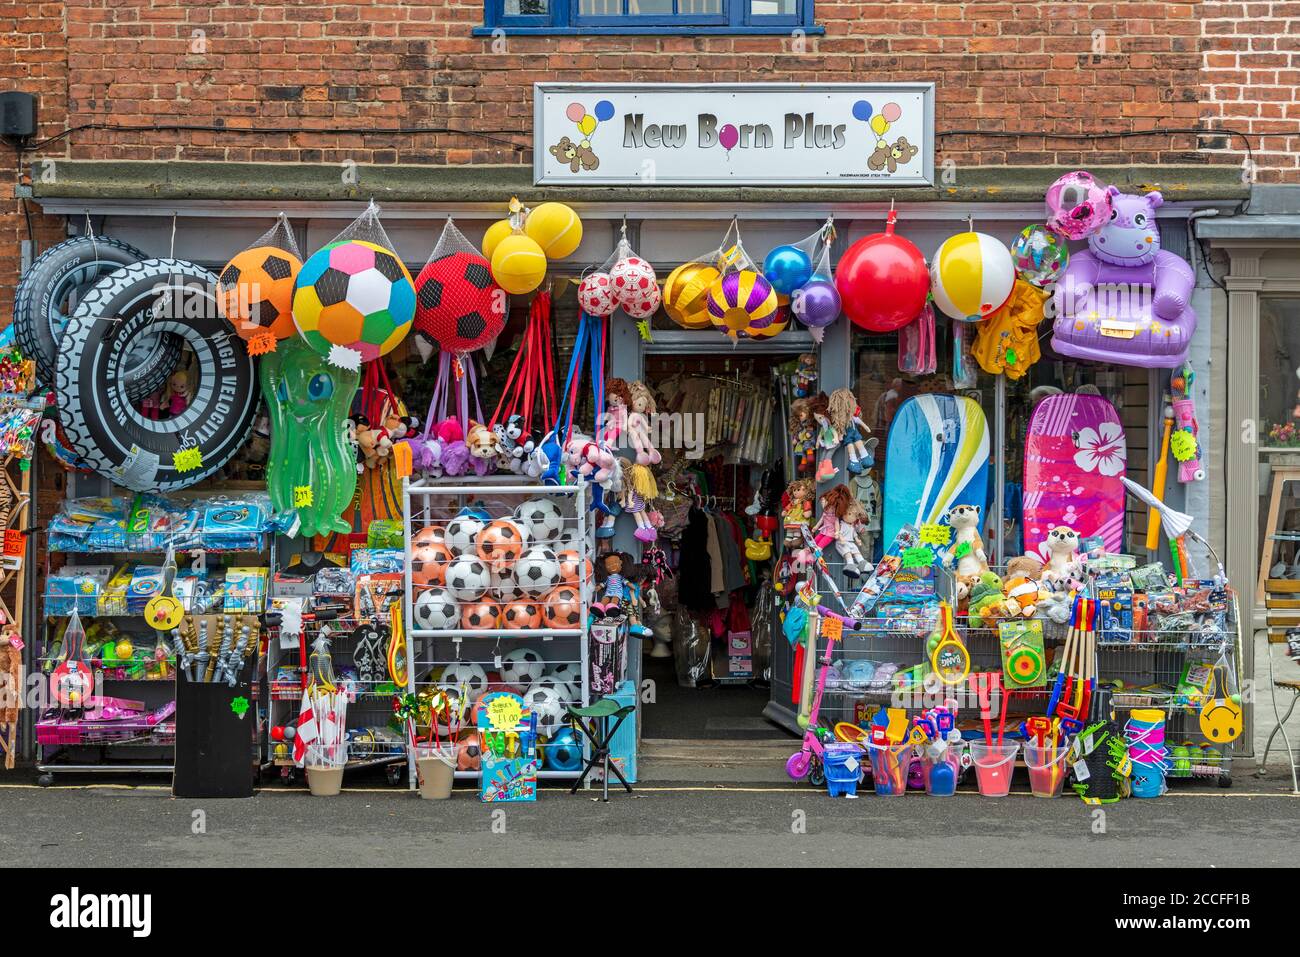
{"x": 495, "y": 233}
{"x": 556, "y": 228}
{"x": 518, "y": 264}
{"x": 686, "y": 295}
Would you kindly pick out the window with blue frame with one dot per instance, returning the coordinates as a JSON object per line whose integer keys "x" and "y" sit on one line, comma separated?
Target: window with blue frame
{"x": 648, "y": 16}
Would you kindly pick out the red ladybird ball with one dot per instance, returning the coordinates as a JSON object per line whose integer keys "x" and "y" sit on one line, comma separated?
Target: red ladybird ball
{"x": 634, "y": 281}
{"x": 596, "y": 295}
{"x": 457, "y": 303}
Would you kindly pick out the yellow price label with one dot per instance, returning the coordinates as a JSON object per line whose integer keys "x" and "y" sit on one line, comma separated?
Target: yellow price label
{"x": 505, "y": 713}
{"x": 187, "y": 460}
{"x": 302, "y": 496}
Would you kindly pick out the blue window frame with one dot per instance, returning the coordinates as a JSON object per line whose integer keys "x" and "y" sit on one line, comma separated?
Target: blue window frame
{"x": 698, "y": 17}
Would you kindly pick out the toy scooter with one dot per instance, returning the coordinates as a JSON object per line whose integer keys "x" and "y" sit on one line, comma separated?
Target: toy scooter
{"x": 808, "y": 761}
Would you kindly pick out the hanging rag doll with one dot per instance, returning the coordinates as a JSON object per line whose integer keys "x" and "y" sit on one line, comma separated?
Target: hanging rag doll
{"x": 618, "y": 405}
{"x": 803, "y": 432}
{"x": 846, "y": 539}
{"x": 797, "y": 511}
{"x": 828, "y": 440}
{"x": 640, "y": 412}
{"x": 638, "y": 497}
{"x": 846, "y": 417}
{"x": 612, "y": 585}
{"x": 835, "y": 505}
{"x": 805, "y": 376}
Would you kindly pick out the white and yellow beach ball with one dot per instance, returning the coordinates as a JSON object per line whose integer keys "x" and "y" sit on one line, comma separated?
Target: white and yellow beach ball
{"x": 971, "y": 276}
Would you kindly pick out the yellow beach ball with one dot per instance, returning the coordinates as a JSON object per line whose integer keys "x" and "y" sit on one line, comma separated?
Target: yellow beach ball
{"x": 971, "y": 276}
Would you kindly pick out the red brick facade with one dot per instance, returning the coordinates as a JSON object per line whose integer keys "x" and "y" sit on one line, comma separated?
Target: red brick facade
{"x": 1024, "y": 68}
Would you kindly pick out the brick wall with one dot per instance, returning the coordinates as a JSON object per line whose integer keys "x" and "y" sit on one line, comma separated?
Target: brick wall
{"x": 1024, "y": 68}
{"x": 1251, "y": 82}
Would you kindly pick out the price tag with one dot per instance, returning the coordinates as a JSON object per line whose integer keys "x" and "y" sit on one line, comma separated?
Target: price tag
{"x": 188, "y": 459}
{"x": 302, "y": 496}
{"x": 504, "y": 713}
{"x": 832, "y": 629}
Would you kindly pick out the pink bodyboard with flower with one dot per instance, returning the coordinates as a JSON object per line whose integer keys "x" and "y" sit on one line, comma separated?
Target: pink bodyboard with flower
{"x": 1075, "y": 458}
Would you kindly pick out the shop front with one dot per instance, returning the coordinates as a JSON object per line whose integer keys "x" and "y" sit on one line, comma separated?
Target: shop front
{"x": 758, "y": 398}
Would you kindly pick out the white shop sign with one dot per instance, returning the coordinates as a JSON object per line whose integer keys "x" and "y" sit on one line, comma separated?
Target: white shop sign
{"x": 759, "y": 134}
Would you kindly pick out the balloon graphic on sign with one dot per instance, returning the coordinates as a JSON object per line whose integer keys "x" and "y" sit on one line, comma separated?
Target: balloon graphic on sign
{"x": 585, "y": 122}
{"x": 862, "y": 110}
{"x": 878, "y": 122}
{"x": 728, "y": 136}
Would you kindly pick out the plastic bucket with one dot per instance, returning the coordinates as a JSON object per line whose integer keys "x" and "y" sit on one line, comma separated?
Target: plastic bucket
{"x": 324, "y": 781}
{"x": 1148, "y": 780}
{"x": 1047, "y": 769}
{"x": 843, "y": 766}
{"x": 994, "y": 766}
{"x": 889, "y": 764}
{"x": 436, "y": 771}
{"x": 940, "y": 773}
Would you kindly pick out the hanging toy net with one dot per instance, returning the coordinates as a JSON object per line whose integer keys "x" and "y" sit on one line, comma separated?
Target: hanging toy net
{"x": 255, "y": 289}
{"x": 458, "y": 305}
{"x": 740, "y": 301}
{"x": 623, "y": 281}
{"x": 816, "y": 303}
{"x": 354, "y": 300}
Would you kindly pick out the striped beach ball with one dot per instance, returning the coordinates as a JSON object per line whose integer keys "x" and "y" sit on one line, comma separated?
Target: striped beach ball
{"x": 773, "y": 325}
{"x": 739, "y": 299}
{"x": 971, "y": 276}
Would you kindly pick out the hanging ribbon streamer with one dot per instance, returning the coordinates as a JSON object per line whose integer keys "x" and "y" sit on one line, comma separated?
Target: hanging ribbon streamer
{"x": 532, "y": 375}
{"x": 455, "y": 373}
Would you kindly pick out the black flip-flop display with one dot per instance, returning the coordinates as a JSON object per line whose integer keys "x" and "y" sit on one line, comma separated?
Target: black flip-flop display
{"x": 101, "y": 422}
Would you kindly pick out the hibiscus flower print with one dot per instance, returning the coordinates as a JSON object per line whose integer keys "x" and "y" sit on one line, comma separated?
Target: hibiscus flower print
{"x": 1101, "y": 449}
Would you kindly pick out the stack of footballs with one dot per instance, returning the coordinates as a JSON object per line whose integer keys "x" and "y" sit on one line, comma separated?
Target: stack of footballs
{"x": 630, "y": 284}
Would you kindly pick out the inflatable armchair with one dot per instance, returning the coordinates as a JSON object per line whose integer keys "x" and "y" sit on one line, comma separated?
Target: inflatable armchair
{"x": 1124, "y": 299}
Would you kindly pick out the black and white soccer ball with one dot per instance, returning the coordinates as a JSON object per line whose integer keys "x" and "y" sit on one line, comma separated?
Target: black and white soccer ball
{"x": 548, "y": 705}
{"x": 541, "y": 519}
{"x": 468, "y": 578}
{"x": 462, "y": 534}
{"x": 569, "y": 673}
{"x": 521, "y": 667}
{"x": 569, "y": 692}
{"x": 536, "y": 572}
{"x": 465, "y": 674}
{"x": 505, "y": 588}
{"x": 436, "y": 608}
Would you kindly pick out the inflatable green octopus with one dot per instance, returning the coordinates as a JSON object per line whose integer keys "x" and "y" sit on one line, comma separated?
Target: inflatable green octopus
{"x": 312, "y": 466}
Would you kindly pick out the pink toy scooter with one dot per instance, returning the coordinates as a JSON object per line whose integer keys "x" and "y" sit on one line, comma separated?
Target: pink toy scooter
{"x": 807, "y": 762}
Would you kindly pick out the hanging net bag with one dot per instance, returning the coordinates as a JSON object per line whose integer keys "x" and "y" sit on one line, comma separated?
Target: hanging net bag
{"x": 354, "y": 300}
{"x": 256, "y": 288}
{"x": 740, "y": 300}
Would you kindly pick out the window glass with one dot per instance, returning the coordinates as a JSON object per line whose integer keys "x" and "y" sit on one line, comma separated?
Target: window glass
{"x": 1279, "y": 363}
{"x": 527, "y": 8}
{"x": 768, "y": 8}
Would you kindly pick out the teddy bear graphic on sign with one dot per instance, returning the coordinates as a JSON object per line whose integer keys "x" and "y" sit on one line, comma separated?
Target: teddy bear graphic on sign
{"x": 576, "y": 155}
{"x": 892, "y": 156}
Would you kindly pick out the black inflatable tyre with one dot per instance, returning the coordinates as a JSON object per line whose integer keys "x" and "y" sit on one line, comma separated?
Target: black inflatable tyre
{"x": 65, "y": 273}
{"x": 99, "y": 420}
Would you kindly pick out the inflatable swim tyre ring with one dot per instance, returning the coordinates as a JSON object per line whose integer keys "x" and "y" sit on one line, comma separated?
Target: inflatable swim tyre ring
{"x": 100, "y": 422}
{"x": 50, "y": 290}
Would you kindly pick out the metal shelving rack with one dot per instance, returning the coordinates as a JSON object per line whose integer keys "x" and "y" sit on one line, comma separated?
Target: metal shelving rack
{"x": 151, "y": 753}
{"x": 432, "y": 501}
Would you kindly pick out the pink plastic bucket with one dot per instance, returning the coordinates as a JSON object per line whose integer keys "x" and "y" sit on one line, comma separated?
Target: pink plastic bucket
{"x": 1047, "y": 769}
{"x": 994, "y": 766}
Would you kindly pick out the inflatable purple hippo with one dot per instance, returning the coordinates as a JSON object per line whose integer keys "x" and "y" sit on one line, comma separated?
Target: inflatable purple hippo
{"x": 1125, "y": 300}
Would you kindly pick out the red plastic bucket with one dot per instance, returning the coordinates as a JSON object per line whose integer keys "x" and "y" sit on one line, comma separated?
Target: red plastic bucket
{"x": 994, "y": 766}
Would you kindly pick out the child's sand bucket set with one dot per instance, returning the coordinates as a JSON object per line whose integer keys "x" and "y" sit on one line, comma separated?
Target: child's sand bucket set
{"x": 1145, "y": 733}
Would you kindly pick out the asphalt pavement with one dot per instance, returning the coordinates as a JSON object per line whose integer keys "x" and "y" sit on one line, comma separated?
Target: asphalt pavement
{"x": 1255, "y": 823}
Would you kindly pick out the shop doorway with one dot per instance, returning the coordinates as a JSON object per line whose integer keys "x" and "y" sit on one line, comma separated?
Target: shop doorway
{"x": 711, "y": 662}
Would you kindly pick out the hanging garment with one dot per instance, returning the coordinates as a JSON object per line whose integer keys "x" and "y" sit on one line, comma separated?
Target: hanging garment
{"x": 694, "y": 569}
{"x": 717, "y": 577}
{"x": 733, "y": 572}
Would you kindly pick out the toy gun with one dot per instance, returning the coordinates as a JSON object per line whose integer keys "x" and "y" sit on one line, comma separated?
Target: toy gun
{"x": 1184, "y": 443}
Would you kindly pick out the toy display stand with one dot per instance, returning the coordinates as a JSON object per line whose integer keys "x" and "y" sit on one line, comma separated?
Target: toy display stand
{"x": 436, "y": 502}
{"x": 216, "y": 753}
{"x": 128, "y": 748}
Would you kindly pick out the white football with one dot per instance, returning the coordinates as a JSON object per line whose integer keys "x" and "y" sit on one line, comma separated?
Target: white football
{"x": 537, "y": 572}
{"x": 521, "y": 667}
{"x": 468, "y": 578}
{"x": 462, "y": 534}
{"x": 436, "y": 608}
{"x": 548, "y": 705}
{"x": 541, "y": 519}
